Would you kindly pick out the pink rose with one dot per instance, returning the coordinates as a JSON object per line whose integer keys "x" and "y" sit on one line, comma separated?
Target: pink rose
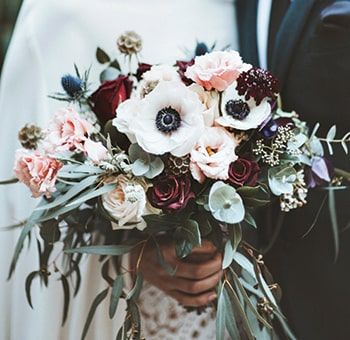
{"x": 95, "y": 151}
{"x": 36, "y": 171}
{"x": 67, "y": 131}
{"x": 216, "y": 70}
{"x": 213, "y": 154}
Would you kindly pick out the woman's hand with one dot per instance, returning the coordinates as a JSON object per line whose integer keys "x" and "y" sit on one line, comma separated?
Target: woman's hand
{"x": 194, "y": 282}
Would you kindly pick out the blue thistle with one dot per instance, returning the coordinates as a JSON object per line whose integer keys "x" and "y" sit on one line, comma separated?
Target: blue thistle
{"x": 201, "y": 49}
{"x": 73, "y": 86}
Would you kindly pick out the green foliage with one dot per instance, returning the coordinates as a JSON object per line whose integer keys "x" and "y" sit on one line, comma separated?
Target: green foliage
{"x": 116, "y": 294}
{"x": 99, "y": 298}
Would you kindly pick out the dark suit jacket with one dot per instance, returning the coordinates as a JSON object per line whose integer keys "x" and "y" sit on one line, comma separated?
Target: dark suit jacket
{"x": 312, "y": 60}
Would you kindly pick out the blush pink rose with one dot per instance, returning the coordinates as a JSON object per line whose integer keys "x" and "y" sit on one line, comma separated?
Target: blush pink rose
{"x": 213, "y": 154}
{"x": 67, "y": 131}
{"x": 36, "y": 171}
{"x": 96, "y": 151}
{"x": 216, "y": 70}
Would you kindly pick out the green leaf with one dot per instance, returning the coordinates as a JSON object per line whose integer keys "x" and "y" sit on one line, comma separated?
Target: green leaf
{"x": 334, "y": 220}
{"x": 115, "y": 296}
{"x": 230, "y": 319}
{"x": 221, "y": 317}
{"x": 9, "y": 181}
{"x": 109, "y": 250}
{"x": 50, "y": 232}
{"x": 183, "y": 248}
{"x": 228, "y": 255}
{"x": 99, "y": 298}
{"x": 191, "y": 232}
{"x": 257, "y": 196}
{"x": 115, "y": 64}
{"x": 101, "y": 56}
{"x": 96, "y": 193}
{"x": 250, "y": 219}
{"x": 240, "y": 315}
{"x": 66, "y": 299}
{"x": 331, "y": 133}
{"x": 136, "y": 319}
{"x": 236, "y": 235}
{"x": 248, "y": 302}
{"x": 28, "y": 284}
{"x": 165, "y": 265}
{"x": 30, "y": 224}
{"x": 75, "y": 190}
{"x": 136, "y": 290}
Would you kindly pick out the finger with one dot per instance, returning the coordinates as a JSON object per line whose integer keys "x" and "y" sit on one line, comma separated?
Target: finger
{"x": 206, "y": 247}
{"x": 195, "y": 287}
{"x": 198, "y": 271}
{"x": 193, "y": 300}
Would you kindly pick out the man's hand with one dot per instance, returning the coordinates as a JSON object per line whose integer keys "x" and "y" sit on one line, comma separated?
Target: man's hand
{"x": 194, "y": 282}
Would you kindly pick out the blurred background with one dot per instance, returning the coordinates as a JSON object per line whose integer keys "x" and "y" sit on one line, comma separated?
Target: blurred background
{"x": 8, "y": 14}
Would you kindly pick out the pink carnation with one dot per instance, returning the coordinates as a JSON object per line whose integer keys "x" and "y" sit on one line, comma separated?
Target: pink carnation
{"x": 36, "y": 171}
{"x": 216, "y": 70}
{"x": 213, "y": 154}
{"x": 67, "y": 131}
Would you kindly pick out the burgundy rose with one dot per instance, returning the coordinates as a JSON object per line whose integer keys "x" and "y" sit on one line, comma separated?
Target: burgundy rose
{"x": 243, "y": 172}
{"x": 109, "y": 95}
{"x": 183, "y": 65}
{"x": 142, "y": 68}
{"x": 170, "y": 193}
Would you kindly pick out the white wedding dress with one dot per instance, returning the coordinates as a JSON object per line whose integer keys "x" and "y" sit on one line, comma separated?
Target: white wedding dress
{"x": 50, "y": 36}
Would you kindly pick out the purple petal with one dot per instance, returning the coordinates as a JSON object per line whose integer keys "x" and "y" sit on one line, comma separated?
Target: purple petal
{"x": 319, "y": 167}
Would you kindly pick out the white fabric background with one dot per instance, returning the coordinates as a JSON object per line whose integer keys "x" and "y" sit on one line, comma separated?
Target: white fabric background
{"x": 49, "y": 37}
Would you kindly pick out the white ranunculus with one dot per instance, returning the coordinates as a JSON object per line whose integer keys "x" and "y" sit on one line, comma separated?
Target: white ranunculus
{"x": 126, "y": 203}
{"x": 161, "y": 72}
{"x": 140, "y": 120}
{"x": 258, "y": 113}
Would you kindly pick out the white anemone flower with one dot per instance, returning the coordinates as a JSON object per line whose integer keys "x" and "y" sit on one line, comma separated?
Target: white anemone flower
{"x": 169, "y": 119}
{"x": 241, "y": 114}
{"x": 225, "y": 203}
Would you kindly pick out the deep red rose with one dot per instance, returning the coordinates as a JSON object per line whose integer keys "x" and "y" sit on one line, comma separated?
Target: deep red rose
{"x": 243, "y": 172}
{"x": 183, "y": 65}
{"x": 109, "y": 95}
{"x": 142, "y": 68}
{"x": 170, "y": 193}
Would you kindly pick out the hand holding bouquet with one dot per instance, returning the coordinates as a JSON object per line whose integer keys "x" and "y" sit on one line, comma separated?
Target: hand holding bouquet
{"x": 185, "y": 152}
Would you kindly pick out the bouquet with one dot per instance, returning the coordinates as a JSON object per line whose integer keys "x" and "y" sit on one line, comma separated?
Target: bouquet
{"x": 189, "y": 151}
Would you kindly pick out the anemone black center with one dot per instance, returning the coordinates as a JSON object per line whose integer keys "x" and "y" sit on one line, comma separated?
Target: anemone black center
{"x": 168, "y": 120}
{"x": 238, "y": 109}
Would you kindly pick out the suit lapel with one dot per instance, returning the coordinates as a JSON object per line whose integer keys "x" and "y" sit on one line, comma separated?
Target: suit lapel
{"x": 246, "y": 21}
{"x": 288, "y": 36}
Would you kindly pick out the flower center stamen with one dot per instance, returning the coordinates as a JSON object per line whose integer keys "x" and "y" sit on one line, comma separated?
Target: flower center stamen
{"x": 168, "y": 120}
{"x": 238, "y": 109}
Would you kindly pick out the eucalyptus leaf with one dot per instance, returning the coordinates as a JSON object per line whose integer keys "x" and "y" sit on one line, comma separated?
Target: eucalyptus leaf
{"x": 220, "y": 317}
{"x": 66, "y": 300}
{"x": 9, "y": 181}
{"x": 75, "y": 190}
{"x": 250, "y": 219}
{"x": 331, "y": 133}
{"x": 96, "y": 193}
{"x": 135, "y": 291}
{"x": 117, "y": 290}
{"x": 108, "y": 250}
{"x": 28, "y": 284}
{"x": 99, "y": 298}
{"x": 334, "y": 220}
{"x": 101, "y": 56}
{"x": 228, "y": 255}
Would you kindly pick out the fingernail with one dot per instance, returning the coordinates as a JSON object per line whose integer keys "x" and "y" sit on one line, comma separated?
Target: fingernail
{"x": 212, "y": 297}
